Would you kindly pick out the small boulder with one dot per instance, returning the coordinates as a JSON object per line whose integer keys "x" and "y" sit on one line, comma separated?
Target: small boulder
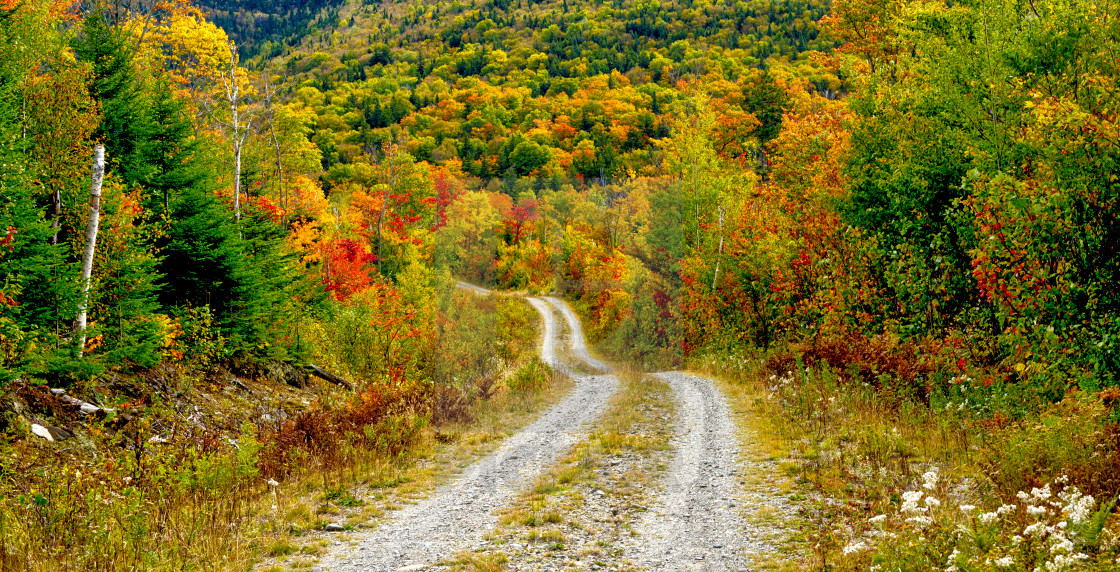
{"x": 334, "y": 527}
{"x": 59, "y": 433}
{"x": 41, "y": 431}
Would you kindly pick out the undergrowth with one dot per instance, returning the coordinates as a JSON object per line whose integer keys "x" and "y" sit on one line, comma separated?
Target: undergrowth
{"x": 198, "y": 470}
{"x": 905, "y": 462}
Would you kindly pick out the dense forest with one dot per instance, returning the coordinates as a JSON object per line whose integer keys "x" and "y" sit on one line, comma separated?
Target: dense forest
{"x": 920, "y": 197}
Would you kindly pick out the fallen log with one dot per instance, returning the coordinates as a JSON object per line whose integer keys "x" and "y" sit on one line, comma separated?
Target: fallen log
{"x": 321, "y": 373}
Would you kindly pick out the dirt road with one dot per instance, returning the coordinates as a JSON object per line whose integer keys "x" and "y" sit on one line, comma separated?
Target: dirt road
{"x": 695, "y": 519}
{"x": 696, "y": 522}
{"x": 459, "y": 514}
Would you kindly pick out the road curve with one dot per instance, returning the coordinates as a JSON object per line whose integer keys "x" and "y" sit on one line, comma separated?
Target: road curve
{"x": 548, "y": 340}
{"x": 472, "y": 287}
{"x": 694, "y": 525}
{"x": 457, "y": 515}
{"x": 578, "y": 345}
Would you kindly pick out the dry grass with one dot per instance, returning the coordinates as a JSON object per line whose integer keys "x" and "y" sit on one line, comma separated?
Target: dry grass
{"x": 846, "y": 453}
{"x": 550, "y": 519}
{"x": 385, "y": 484}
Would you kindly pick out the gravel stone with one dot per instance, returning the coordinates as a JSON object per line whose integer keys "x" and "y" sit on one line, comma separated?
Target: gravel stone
{"x": 457, "y": 515}
{"x": 690, "y": 526}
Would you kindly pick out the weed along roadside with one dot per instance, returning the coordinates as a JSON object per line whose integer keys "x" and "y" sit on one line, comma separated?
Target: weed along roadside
{"x": 218, "y": 468}
{"x": 894, "y": 482}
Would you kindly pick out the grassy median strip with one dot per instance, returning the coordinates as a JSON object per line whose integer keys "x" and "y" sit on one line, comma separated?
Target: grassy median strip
{"x": 575, "y": 513}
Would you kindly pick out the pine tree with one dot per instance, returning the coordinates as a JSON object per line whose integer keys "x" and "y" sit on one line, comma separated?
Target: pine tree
{"x": 37, "y": 280}
{"x": 238, "y": 272}
{"x": 124, "y": 128}
{"x": 169, "y": 152}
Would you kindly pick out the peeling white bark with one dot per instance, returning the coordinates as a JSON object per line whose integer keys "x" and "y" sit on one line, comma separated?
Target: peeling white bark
{"x": 91, "y": 241}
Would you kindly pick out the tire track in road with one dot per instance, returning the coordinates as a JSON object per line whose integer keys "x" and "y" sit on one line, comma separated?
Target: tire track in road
{"x": 694, "y": 524}
{"x": 457, "y": 515}
{"x": 548, "y": 341}
{"x": 578, "y": 345}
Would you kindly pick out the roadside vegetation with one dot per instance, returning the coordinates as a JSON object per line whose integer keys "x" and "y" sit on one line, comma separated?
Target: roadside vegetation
{"x": 894, "y": 222}
{"x": 901, "y": 483}
{"x": 215, "y": 472}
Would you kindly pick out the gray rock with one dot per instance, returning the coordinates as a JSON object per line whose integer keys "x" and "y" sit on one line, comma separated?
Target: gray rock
{"x": 334, "y": 527}
{"x": 41, "y": 431}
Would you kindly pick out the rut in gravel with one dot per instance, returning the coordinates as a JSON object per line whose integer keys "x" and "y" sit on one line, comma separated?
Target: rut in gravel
{"x": 695, "y": 523}
{"x": 457, "y": 515}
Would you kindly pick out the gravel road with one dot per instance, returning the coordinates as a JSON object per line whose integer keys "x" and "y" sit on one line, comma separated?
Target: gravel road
{"x": 471, "y": 287}
{"x": 578, "y": 345}
{"x": 695, "y": 523}
{"x": 548, "y": 341}
{"x": 457, "y": 515}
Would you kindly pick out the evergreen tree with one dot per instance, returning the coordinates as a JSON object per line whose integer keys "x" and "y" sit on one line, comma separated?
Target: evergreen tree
{"x": 170, "y": 151}
{"x": 38, "y": 293}
{"x": 240, "y": 278}
{"x": 124, "y": 127}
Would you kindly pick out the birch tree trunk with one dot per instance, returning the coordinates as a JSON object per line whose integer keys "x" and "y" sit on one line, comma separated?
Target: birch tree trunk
{"x": 55, "y": 215}
{"x": 238, "y": 126}
{"x": 232, "y": 96}
{"x": 91, "y": 242}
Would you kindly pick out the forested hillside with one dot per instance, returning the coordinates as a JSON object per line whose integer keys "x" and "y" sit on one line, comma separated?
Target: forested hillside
{"x": 907, "y": 203}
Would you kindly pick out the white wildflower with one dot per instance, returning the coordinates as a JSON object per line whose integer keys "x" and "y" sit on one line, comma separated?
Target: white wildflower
{"x": 920, "y": 520}
{"x": 1005, "y": 562}
{"x": 967, "y": 508}
{"x": 1037, "y": 510}
{"x": 952, "y": 562}
{"x": 910, "y": 501}
{"x": 855, "y": 547}
{"x": 988, "y": 517}
{"x": 272, "y": 483}
{"x": 1036, "y": 529}
{"x": 1063, "y": 562}
{"x": 1062, "y": 545}
{"x": 877, "y": 519}
{"x": 931, "y": 480}
{"x": 1041, "y": 494}
{"x": 1005, "y": 509}
{"x": 1078, "y": 507}
{"x": 932, "y": 502}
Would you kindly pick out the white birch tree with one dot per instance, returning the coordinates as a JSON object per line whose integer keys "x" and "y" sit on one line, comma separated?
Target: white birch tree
{"x": 91, "y": 242}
